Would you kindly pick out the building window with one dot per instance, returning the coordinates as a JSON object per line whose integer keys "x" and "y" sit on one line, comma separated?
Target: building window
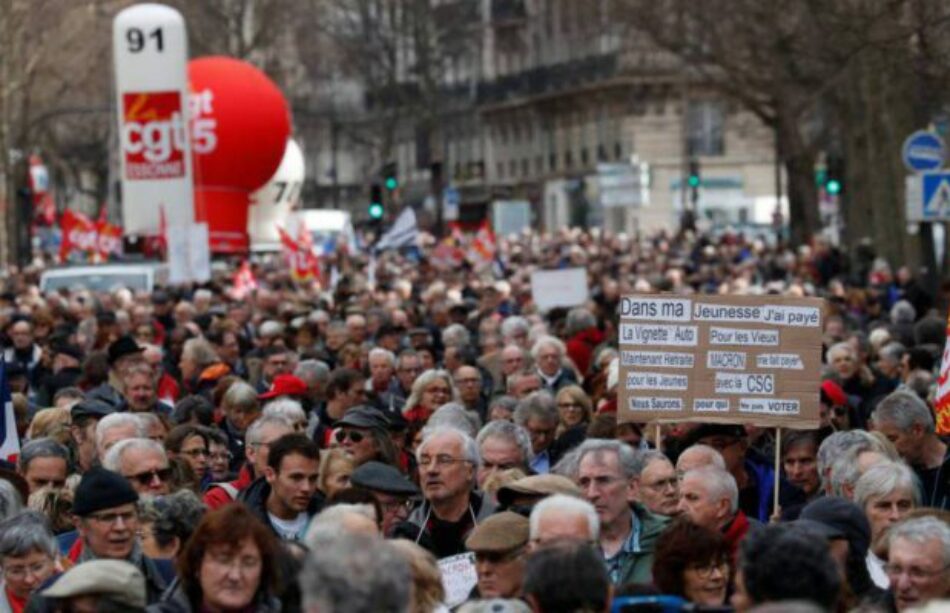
{"x": 568, "y": 159}
{"x": 512, "y": 168}
{"x": 525, "y": 167}
{"x": 601, "y": 153}
{"x": 552, "y": 161}
{"x": 584, "y": 156}
{"x": 539, "y": 164}
{"x": 501, "y": 170}
{"x": 618, "y": 150}
{"x": 705, "y": 120}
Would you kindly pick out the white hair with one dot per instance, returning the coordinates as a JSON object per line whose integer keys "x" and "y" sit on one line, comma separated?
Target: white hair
{"x": 544, "y": 340}
{"x": 119, "y": 420}
{"x": 288, "y": 408}
{"x": 380, "y": 352}
{"x": 922, "y": 530}
{"x": 719, "y": 484}
{"x": 562, "y": 504}
{"x": 712, "y": 455}
{"x": 113, "y": 459}
{"x": 884, "y": 478}
{"x": 332, "y": 521}
{"x": 508, "y": 431}
{"x": 469, "y": 446}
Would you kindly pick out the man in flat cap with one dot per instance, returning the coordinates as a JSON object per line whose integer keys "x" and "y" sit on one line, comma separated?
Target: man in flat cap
{"x": 500, "y": 545}
{"x": 391, "y": 489}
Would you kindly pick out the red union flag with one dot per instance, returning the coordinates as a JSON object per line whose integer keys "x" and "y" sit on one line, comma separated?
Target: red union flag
{"x": 153, "y": 135}
{"x": 79, "y": 234}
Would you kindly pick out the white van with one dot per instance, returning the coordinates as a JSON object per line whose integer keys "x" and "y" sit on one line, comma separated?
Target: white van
{"x": 327, "y": 227}
{"x": 134, "y": 276}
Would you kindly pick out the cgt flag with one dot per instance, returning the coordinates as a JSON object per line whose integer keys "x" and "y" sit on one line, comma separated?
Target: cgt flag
{"x": 9, "y": 438}
{"x": 942, "y": 401}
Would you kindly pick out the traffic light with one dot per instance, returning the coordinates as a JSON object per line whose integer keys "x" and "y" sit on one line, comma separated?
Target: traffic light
{"x": 390, "y": 178}
{"x": 375, "y": 210}
{"x": 694, "y": 181}
{"x": 833, "y": 187}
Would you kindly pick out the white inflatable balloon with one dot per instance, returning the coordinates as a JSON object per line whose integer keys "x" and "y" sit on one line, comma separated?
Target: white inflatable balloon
{"x": 271, "y": 205}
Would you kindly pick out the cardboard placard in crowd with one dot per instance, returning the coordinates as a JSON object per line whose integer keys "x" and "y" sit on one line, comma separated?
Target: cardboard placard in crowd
{"x": 565, "y": 287}
{"x": 725, "y": 359}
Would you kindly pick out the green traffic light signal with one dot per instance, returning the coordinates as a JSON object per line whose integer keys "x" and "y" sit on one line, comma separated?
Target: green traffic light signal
{"x": 693, "y": 180}
{"x": 833, "y": 187}
{"x": 391, "y": 183}
{"x": 375, "y": 211}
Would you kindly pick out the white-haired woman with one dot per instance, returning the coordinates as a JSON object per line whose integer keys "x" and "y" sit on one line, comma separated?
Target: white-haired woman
{"x": 886, "y": 493}
{"x": 431, "y": 389}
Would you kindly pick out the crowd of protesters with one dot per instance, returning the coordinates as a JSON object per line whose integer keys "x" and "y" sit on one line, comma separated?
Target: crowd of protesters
{"x": 369, "y": 445}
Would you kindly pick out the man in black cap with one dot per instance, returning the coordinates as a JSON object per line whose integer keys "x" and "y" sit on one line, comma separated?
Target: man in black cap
{"x": 363, "y": 433}
{"x": 391, "y": 489}
{"x": 107, "y": 524}
{"x": 122, "y": 353}
{"x": 82, "y": 431}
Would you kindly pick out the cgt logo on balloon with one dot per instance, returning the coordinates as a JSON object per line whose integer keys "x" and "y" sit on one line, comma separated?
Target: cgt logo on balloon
{"x": 153, "y": 135}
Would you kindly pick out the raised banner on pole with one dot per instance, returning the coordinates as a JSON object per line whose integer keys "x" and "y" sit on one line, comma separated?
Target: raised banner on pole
{"x": 727, "y": 359}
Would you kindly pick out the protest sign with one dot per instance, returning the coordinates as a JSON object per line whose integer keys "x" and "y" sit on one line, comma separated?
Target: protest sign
{"x": 726, "y": 359}
{"x": 458, "y": 577}
{"x": 565, "y": 287}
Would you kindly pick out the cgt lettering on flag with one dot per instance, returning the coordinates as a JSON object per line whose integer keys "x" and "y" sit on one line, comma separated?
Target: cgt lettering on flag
{"x": 153, "y": 135}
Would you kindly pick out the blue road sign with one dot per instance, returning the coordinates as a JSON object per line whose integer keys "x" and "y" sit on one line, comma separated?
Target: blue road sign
{"x": 923, "y": 151}
{"x": 935, "y": 192}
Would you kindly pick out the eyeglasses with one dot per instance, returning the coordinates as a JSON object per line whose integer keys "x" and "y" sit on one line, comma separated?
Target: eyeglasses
{"x": 438, "y": 390}
{"x": 915, "y": 573}
{"x": 18, "y": 573}
{"x": 396, "y": 505}
{"x": 196, "y": 453}
{"x": 707, "y": 570}
{"x": 145, "y": 478}
{"x": 440, "y": 461}
{"x": 663, "y": 484}
{"x": 353, "y": 435}
{"x": 570, "y": 406}
{"x": 218, "y": 456}
{"x": 498, "y": 557}
{"x": 112, "y": 517}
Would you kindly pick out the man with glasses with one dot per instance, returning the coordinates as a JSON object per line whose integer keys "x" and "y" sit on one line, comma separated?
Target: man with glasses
{"x": 502, "y": 446}
{"x": 918, "y": 563}
{"x": 448, "y": 461}
{"x": 43, "y": 462}
{"x": 607, "y": 473}
{"x": 658, "y": 486}
{"x": 363, "y": 434}
{"x": 107, "y": 523}
{"x": 143, "y": 462}
{"x": 468, "y": 380}
{"x": 500, "y": 545}
{"x": 391, "y": 489}
{"x": 408, "y": 369}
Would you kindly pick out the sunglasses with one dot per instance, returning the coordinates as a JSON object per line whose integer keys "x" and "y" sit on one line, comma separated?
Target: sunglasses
{"x": 163, "y": 474}
{"x": 353, "y": 435}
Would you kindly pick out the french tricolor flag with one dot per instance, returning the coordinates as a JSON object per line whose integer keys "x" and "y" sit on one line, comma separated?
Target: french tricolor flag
{"x": 9, "y": 439}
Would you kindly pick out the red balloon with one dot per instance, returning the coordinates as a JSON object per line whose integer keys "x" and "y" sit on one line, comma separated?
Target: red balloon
{"x": 240, "y": 123}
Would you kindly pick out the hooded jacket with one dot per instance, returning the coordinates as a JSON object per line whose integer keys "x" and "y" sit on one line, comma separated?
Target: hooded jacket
{"x": 638, "y": 567}
{"x": 255, "y": 497}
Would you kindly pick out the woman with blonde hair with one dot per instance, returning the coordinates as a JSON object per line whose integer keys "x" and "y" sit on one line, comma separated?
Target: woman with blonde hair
{"x": 431, "y": 389}
{"x": 335, "y": 470}
{"x": 53, "y": 423}
{"x": 428, "y": 595}
{"x": 574, "y": 409}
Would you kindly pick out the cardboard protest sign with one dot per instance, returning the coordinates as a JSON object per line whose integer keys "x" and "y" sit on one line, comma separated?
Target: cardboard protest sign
{"x": 726, "y": 359}
{"x": 565, "y": 287}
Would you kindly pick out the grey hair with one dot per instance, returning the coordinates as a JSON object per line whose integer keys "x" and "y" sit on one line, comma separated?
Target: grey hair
{"x": 253, "y": 433}
{"x": 884, "y": 478}
{"x": 24, "y": 533}
{"x": 562, "y": 505}
{"x": 719, "y": 484}
{"x": 652, "y": 455}
{"x": 469, "y": 446}
{"x": 44, "y": 447}
{"x": 455, "y": 415}
{"x": 547, "y": 339}
{"x": 456, "y": 335}
{"x": 631, "y": 464}
{"x": 509, "y": 403}
{"x": 148, "y": 420}
{"x": 539, "y": 405}
{"x": 330, "y": 521}
{"x": 355, "y": 573}
{"x": 892, "y": 351}
{"x": 201, "y": 351}
{"x": 714, "y": 458}
{"x": 173, "y": 515}
{"x": 270, "y": 328}
{"x": 118, "y": 420}
{"x": 380, "y": 352}
{"x": 514, "y": 324}
{"x": 288, "y": 408}
{"x": 313, "y": 371}
{"x": 842, "y": 346}
{"x": 423, "y": 381}
{"x": 903, "y": 312}
{"x": 921, "y": 530}
{"x": 10, "y": 502}
{"x": 510, "y": 432}
{"x": 241, "y": 396}
{"x": 113, "y": 459}
{"x": 846, "y": 470}
{"x": 837, "y": 444}
{"x": 567, "y": 465}
{"x": 578, "y": 320}
{"x": 904, "y": 410}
